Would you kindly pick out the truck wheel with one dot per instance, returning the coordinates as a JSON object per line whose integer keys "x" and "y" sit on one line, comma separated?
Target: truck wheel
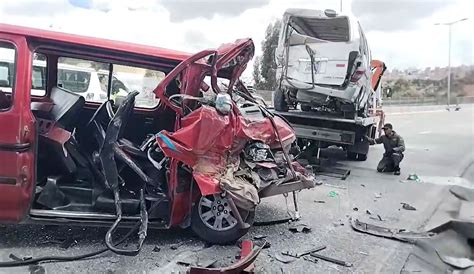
{"x": 351, "y": 155}
{"x": 361, "y": 157}
{"x": 305, "y": 108}
{"x": 213, "y": 220}
{"x": 279, "y": 102}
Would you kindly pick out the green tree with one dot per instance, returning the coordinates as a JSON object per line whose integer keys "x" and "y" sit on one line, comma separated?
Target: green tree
{"x": 265, "y": 66}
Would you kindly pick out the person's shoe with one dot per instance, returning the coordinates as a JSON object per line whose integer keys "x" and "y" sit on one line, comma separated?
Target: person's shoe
{"x": 397, "y": 172}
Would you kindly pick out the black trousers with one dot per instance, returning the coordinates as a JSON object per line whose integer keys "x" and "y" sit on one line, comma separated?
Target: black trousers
{"x": 390, "y": 162}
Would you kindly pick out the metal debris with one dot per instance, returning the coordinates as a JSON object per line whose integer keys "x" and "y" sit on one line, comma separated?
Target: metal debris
{"x": 284, "y": 259}
{"x": 299, "y": 228}
{"x": 392, "y": 233}
{"x": 407, "y": 206}
{"x": 310, "y": 259}
{"x": 303, "y": 253}
{"x": 259, "y": 237}
{"x": 332, "y": 260}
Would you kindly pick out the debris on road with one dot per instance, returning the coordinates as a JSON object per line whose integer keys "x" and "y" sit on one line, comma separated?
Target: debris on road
{"x": 364, "y": 253}
{"x": 338, "y": 223}
{"x": 377, "y": 218}
{"x": 329, "y": 259}
{"x": 333, "y": 194}
{"x": 248, "y": 255}
{"x": 378, "y": 195}
{"x": 284, "y": 259}
{"x": 368, "y": 212}
{"x": 299, "y": 228}
{"x": 303, "y": 253}
{"x": 413, "y": 177}
{"x": 259, "y": 237}
{"x": 355, "y": 208}
{"x": 407, "y": 206}
{"x": 319, "y": 201}
{"x": 156, "y": 249}
{"x": 400, "y": 234}
{"x": 334, "y": 186}
{"x": 310, "y": 259}
{"x": 362, "y": 185}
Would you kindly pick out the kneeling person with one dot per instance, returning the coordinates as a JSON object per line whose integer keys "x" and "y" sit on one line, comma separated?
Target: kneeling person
{"x": 394, "y": 148}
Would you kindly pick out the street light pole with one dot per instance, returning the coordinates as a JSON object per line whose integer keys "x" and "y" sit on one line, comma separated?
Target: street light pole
{"x": 449, "y": 65}
{"x": 450, "y": 24}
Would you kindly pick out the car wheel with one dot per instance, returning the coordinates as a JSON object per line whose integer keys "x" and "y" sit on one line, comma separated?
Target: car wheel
{"x": 305, "y": 108}
{"x": 214, "y": 221}
{"x": 351, "y": 155}
{"x": 279, "y": 102}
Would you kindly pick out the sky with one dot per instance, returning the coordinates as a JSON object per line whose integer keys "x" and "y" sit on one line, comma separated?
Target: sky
{"x": 402, "y": 33}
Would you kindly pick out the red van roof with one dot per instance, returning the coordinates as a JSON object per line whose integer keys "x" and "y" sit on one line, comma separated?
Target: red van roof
{"x": 95, "y": 42}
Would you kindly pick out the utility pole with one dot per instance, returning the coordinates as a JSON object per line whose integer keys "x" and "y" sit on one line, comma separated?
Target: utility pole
{"x": 449, "y": 24}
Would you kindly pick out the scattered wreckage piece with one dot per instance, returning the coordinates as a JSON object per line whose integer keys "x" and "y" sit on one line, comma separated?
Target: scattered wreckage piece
{"x": 331, "y": 260}
{"x": 303, "y": 253}
{"x": 248, "y": 257}
{"x": 391, "y": 233}
{"x": 407, "y": 206}
{"x": 299, "y": 228}
{"x": 310, "y": 259}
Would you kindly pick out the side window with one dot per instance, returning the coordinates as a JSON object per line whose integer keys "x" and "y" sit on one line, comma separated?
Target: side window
{"x": 7, "y": 74}
{"x": 88, "y": 78}
{"x": 38, "y": 79}
{"x": 128, "y": 79}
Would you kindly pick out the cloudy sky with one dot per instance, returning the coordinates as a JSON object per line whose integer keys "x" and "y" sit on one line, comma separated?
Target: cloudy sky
{"x": 400, "y": 32}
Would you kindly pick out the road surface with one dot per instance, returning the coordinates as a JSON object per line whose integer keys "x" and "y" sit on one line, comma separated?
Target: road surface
{"x": 439, "y": 150}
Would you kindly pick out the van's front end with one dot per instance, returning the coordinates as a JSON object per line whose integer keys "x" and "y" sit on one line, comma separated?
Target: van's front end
{"x": 323, "y": 60}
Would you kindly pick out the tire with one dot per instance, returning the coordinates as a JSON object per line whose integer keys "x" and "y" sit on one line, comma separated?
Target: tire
{"x": 361, "y": 157}
{"x": 305, "y": 108}
{"x": 351, "y": 155}
{"x": 279, "y": 102}
{"x": 229, "y": 232}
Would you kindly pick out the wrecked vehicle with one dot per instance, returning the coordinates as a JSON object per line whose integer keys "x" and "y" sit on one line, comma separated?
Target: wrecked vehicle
{"x": 323, "y": 62}
{"x": 200, "y": 157}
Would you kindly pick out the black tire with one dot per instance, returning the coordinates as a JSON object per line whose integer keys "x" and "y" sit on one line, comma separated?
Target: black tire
{"x": 351, "y": 155}
{"x": 215, "y": 236}
{"x": 361, "y": 157}
{"x": 305, "y": 108}
{"x": 279, "y": 101}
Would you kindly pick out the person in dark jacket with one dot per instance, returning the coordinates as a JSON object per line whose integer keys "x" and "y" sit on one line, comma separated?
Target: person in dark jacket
{"x": 394, "y": 147}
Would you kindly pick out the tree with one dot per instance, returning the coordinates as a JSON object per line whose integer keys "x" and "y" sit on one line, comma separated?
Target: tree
{"x": 265, "y": 66}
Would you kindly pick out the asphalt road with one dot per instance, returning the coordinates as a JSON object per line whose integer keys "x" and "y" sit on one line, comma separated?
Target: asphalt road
{"x": 439, "y": 150}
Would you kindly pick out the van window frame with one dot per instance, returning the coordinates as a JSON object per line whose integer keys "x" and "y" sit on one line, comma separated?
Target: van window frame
{"x": 166, "y": 66}
{"x": 15, "y": 70}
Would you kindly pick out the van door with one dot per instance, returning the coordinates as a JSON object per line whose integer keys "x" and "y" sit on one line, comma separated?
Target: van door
{"x": 17, "y": 131}
{"x": 330, "y": 43}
